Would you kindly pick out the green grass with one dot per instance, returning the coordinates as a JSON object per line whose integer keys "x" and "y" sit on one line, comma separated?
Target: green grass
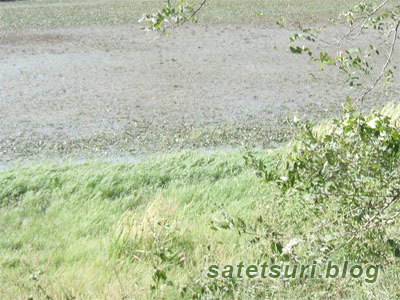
{"x": 95, "y": 230}
{"x": 53, "y": 13}
{"x": 59, "y": 218}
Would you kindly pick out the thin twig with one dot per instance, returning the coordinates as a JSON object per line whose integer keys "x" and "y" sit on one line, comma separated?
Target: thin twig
{"x": 361, "y": 23}
{"x": 396, "y": 215}
{"x": 365, "y": 226}
{"x": 386, "y": 221}
{"x": 389, "y": 59}
{"x": 353, "y": 195}
{"x": 362, "y": 228}
{"x": 194, "y": 13}
{"x": 347, "y": 213}
{"x": 314, "y": 230}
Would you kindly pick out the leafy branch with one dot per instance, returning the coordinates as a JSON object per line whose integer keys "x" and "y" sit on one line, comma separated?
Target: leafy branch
{"x": 176, "y": 13}
{"x": 349, "y": 173}
{"x": 360, "y": 25}
{"x": 354, "y": 62}
{"x": 385, "y": 66}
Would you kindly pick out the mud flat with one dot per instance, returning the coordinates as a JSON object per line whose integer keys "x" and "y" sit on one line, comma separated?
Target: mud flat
{"x": 114, "y": 90}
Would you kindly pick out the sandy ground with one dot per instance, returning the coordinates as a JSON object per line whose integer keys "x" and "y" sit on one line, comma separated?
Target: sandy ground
{"x": 115, "y": 91}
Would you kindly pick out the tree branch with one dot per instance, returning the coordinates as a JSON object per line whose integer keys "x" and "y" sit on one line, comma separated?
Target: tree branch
{"x": 194, "y": 13}
{"x": 389, "y": 59}
{"x": 365, "y": 226}
{"x": 361, "y": 23}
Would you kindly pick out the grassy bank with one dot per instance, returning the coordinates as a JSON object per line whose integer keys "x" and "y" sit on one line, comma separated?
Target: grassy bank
{"x": 105, "y": 230}
{"x": 62, "y": 220}
{"x": 53, "y": 13}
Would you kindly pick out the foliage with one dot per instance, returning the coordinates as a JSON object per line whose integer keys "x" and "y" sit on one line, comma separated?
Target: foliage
{"x": 355, "y": 62}
{"x": 177, "y": 12}
{"x": 351, "y": 171}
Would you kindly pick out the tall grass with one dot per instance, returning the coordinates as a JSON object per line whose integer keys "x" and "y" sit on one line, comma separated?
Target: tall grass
{"x": 62, "y": 220}
{"x": 104, "y": 230}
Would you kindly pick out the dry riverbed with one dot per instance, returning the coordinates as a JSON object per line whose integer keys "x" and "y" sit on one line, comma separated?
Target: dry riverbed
{"x": 116, "y": 91}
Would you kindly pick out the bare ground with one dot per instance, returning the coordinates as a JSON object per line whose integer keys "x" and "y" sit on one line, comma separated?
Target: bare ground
{"x": 115, "y": 91}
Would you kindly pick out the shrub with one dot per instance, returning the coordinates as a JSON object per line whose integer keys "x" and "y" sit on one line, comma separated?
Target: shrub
{"x": 350, "y": 171}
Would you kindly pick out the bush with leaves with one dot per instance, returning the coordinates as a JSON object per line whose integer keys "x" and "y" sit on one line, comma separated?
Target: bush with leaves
{"x": 351, "y": 172}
